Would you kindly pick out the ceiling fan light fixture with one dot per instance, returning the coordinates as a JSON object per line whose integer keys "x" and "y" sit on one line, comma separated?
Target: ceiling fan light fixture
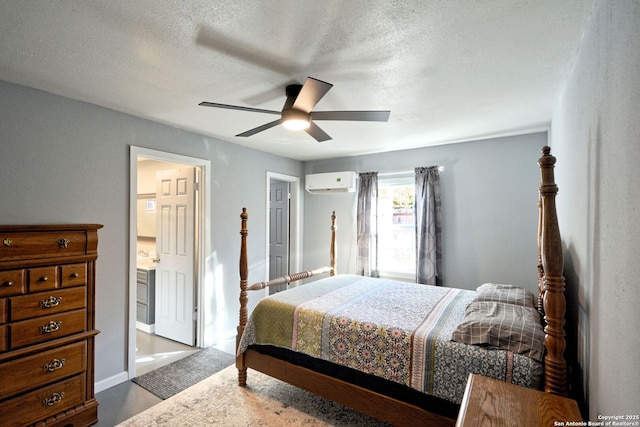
{"x": 295, "y": 119}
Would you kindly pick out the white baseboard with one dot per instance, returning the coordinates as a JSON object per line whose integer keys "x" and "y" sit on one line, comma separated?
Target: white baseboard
{"x": 111, "y": 381}
{"x": 150, "y": 329}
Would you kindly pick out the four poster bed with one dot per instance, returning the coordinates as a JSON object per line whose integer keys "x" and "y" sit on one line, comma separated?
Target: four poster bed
{"x": 402, "y": 352}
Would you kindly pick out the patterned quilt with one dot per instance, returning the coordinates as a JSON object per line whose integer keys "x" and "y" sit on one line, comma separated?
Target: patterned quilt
{"x": 394, "y": 330}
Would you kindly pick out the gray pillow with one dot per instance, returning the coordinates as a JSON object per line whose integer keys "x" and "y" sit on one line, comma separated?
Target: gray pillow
{"x": 505, "y": 326}
{"x": 509, "y": 294}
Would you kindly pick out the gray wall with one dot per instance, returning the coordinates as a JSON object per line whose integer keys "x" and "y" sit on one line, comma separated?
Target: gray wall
{"x": 489, "y": 208}
{"x": 596, "y": 136}
{"x": 67, "y": 161}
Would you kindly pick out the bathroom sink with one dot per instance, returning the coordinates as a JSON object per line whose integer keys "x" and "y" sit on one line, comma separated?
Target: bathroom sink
{"x": 145, "y": 263}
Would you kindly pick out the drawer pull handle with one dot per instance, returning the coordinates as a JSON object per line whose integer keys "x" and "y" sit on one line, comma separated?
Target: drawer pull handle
{"x": 7, "y": 242}
{"x": 54, "y": 365}
{"x": 9, "y": 283}
{"x": 50, "y": 302}
{"x": 44, "y": 278}
{"x": 62, "y": 243}
{"x": 51, "y": 327}
{"x": 53, "y": 399}
{"x": 74, "y": 275}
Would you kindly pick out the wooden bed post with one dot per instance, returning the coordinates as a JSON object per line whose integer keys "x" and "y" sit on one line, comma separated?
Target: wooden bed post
{"x": 540, "y": 268}
{"x": 553, "y": 286}
{"x": 332, "y": 249}
{"x": 241, "y": 363}
{"x": 244, "y": 275}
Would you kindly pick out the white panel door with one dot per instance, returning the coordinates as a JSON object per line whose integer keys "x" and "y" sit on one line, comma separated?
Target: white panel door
{"x": 175, "y": 284}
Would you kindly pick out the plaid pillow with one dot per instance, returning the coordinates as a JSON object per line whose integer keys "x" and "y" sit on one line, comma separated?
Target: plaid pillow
{"x": 505, "y": 326}
{"x": 509, "y": 294}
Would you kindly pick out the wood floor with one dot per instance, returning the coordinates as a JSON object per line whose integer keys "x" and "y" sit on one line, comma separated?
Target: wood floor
{"x": 127, "y": 399}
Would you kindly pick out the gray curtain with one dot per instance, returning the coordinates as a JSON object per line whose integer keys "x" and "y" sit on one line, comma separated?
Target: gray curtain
{"x": 428, "y": 226}
{"x": 367, "y": 225}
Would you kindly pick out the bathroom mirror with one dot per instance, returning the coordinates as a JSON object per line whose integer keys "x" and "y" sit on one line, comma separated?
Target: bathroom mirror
{"x": 147, "y": 215}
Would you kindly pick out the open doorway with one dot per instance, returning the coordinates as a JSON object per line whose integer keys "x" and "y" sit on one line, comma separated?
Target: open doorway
{"x": 283, "y": 226}
{"x": 168, "y": 242}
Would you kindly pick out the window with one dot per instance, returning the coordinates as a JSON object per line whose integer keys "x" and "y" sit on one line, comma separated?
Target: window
{"x": 396, "y": 226}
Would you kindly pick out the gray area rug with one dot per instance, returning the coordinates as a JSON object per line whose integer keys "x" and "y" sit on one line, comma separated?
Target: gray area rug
{"x": 266, "y": 401}
{"x": 171, "y": 379}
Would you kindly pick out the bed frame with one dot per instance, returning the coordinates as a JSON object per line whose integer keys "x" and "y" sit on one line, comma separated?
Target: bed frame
{"x": 551, "y": 303}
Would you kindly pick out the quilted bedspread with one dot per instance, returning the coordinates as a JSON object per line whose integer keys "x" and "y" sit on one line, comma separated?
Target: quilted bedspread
{"x": 394, "y": 330}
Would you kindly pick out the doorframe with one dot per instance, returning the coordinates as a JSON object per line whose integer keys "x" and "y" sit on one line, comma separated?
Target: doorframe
{"x": 202, "y": 237}
{"x": 295, "y": 236}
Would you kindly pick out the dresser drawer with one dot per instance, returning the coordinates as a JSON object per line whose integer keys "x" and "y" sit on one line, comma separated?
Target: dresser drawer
{"x": 42, "y": 244}
{"x": 44, "y": 402}
{"x": 43, "y": 278}
{"x": 4, "y": 310}
{"x": 43, "y": 368}
{"x": 46, "y": 303}
{"x": 4, "y": 337}
{"x": 73, "y": 275}
{"x": 46, "y": 328}
{"x": 12, "y": 282}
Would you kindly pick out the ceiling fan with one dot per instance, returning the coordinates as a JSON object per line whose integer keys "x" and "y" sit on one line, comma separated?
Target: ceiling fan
{"x": 296, "y": 113}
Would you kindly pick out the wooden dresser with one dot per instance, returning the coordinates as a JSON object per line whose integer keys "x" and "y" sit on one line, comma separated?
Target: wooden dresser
{"x": 47, "y": 324}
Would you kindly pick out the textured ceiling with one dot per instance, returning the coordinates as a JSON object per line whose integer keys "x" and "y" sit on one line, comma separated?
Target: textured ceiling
{"x": 449, "y": 71}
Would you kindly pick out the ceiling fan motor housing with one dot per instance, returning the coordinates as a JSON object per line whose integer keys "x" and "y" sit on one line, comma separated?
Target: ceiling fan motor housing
{"x": 293, "y": 90}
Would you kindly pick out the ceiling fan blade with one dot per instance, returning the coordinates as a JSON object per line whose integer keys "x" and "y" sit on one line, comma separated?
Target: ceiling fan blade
{"x": 363, "y": 116}
{"x": 311, "y": 93}
{"x": 237, "y": 107}
{"x": 260, "y": 128}
{"x": 317, "y": 133}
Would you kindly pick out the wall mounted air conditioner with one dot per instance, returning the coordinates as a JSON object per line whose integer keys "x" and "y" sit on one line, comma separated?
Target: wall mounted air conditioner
{"x": 332, "y": 182}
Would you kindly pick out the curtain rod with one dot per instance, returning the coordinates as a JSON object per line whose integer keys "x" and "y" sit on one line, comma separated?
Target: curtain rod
{"x": 440, "y": 169}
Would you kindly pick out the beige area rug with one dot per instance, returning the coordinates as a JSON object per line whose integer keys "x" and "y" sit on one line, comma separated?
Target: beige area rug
{"x": 266, "y": 401}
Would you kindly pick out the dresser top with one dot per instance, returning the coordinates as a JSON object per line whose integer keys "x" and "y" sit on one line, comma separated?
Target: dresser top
{"x": 488, "y": 401}
{"x": 49, "y": 227}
